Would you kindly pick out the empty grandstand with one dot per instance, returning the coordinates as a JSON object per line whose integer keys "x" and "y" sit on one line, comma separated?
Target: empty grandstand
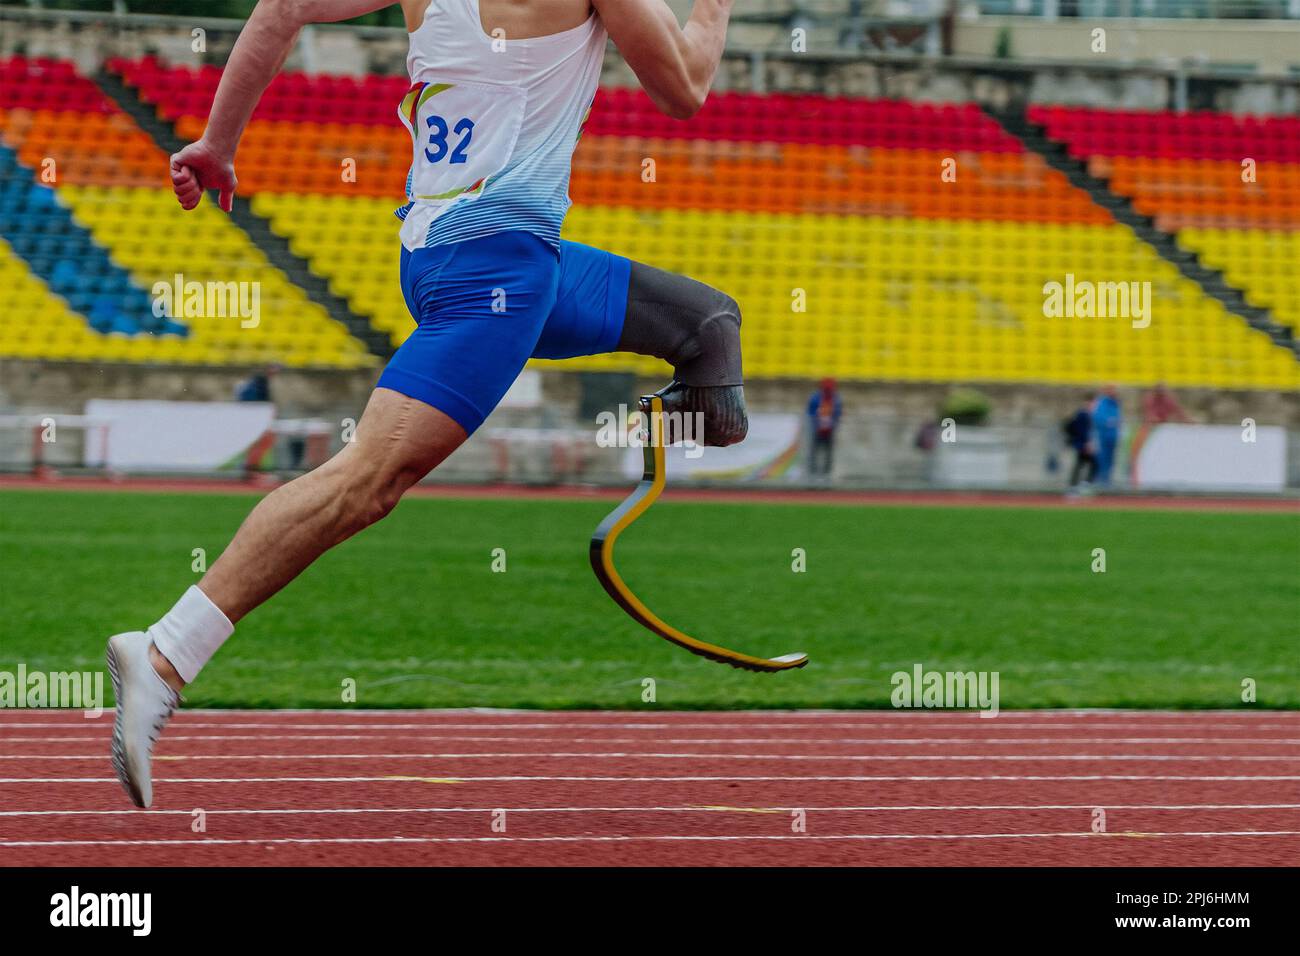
{"x": 873, "y": 237}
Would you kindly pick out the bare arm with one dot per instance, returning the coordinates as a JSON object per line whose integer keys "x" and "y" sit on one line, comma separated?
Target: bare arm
{"x": 258, "y": 55}
{"x": 260, "y": 52}
{"x": 674, "y": 64}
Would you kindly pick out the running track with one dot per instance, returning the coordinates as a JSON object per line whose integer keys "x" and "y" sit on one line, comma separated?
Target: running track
{"x": 404, "y": 788}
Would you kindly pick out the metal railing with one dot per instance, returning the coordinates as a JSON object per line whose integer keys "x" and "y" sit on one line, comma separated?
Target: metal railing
{"x": 871, "y": 451}
{"x": 1156, "y": 9}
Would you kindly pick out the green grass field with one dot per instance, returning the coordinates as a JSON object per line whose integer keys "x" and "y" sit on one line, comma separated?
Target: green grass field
{"x": 1191, "y": 603}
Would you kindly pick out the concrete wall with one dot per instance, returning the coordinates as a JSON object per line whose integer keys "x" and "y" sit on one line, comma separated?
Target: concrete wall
{"x": 1272, "y": 47}
{"x": 875, "y": 447}
{"x": 1050, "y": 61}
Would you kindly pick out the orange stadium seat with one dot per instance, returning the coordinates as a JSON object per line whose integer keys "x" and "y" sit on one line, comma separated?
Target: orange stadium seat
{"x": 919, "y": 235}
{"x": 1228, "y": 186}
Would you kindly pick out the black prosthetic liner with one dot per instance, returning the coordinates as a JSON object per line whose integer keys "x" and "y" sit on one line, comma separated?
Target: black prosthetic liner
{"x": 692, "y": 326}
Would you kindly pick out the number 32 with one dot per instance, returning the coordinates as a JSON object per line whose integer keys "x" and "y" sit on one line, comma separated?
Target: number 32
{"x": 438, "y": 139}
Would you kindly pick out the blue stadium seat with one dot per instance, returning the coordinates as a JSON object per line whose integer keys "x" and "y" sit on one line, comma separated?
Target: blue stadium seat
{"x": 57, "y": 249}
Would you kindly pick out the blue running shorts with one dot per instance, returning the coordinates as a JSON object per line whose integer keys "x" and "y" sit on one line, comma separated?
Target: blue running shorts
{"x": 484, "y": 306}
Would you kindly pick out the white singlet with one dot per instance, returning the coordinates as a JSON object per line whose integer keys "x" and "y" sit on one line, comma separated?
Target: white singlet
{"x": 494, "y": 123}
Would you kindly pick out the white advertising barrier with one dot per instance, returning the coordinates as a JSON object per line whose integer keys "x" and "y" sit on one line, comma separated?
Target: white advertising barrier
{"x": 978, "y": 459}
{"x": 1211, "y": 458}
{"x": 525, "y": 392}
{"x": 768, "y": 451}
{"x": 174, "y": 436}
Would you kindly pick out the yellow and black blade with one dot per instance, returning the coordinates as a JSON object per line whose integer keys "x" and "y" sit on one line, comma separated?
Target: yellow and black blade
{"x": 635, "y": 505}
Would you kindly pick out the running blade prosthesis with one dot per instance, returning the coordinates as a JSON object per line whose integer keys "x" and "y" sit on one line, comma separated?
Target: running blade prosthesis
{"x": 602, "y": 557}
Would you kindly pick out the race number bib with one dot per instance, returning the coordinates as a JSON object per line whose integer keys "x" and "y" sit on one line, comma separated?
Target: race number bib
{"x": 461, "y": 134}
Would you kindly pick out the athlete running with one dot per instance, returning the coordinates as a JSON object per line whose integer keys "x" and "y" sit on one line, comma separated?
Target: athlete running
{"x": 494, "y": 125}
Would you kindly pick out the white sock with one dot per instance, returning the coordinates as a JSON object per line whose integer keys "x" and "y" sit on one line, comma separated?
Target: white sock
{"x": 191, "y": 632}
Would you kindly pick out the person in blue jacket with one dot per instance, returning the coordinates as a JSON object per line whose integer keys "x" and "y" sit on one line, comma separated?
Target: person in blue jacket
{"x": 1106, "y": 423}
{"x": 824, "y": 411}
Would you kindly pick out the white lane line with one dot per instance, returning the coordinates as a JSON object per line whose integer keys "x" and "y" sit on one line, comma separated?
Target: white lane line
{"x": 801, "y": 778}
{"x": 882, "y": 741}
{"x": 810, "y": 713}
{"x": 989, "y": 724}
{"x": 278, "y": 841}
{"x": 292, "y": 811}
{"x": 632, "y": 755}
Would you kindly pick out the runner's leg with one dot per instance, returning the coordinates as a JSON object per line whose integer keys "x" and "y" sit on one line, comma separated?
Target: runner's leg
{"x": 398, "y": 441}
{"x": 479, "y": 306}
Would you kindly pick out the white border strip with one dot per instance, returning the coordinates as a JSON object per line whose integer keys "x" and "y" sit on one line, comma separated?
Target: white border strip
{"x": 630, "y": 755}
{"x": 458, "y": 778}
{"x": 293, "y": 811}
{"x": 803, "y": 741}
{"x": 281, "y": 841}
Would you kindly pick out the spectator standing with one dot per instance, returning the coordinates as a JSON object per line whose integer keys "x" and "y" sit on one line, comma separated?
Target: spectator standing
{"x": 257, "y": 388}
{"x": 1079, "y": 436}
{"x": 824, "y": 411}
{"x": 1159, "y": 406}
{"x": 1106, "y": 424}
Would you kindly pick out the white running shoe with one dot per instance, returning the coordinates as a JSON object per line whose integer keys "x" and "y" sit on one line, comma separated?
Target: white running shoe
{"x": 144, "y": 704}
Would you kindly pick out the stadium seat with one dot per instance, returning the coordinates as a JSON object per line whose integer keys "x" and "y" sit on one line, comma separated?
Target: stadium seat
{"x": 920, "y": 236}
{"x": 100, "y": 231}
{"x": 1227, "y": 186}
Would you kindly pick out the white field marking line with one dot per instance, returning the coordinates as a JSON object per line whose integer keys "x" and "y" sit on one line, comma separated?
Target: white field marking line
{"x": 278, "y": 841}
{"x": 612, "y": 717}
{"x": 291, "y": 811}
{"x": 988, "y": 725}
{"x": 520, "y": 778}
{"x": 809, "y": 712}
{"x": 632, "y": 755}
{"x": 883, "y": 741}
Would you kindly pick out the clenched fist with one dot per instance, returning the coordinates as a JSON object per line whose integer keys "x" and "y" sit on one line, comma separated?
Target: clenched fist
{"x": 198, "y": 167}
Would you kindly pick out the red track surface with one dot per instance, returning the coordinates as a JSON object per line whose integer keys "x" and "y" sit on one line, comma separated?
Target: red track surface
{"x": 403, "y": 788}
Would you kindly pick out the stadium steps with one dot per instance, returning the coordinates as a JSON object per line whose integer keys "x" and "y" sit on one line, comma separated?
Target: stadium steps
{"x": 1209, "y": 279}
{"x": 258, "y": 229}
